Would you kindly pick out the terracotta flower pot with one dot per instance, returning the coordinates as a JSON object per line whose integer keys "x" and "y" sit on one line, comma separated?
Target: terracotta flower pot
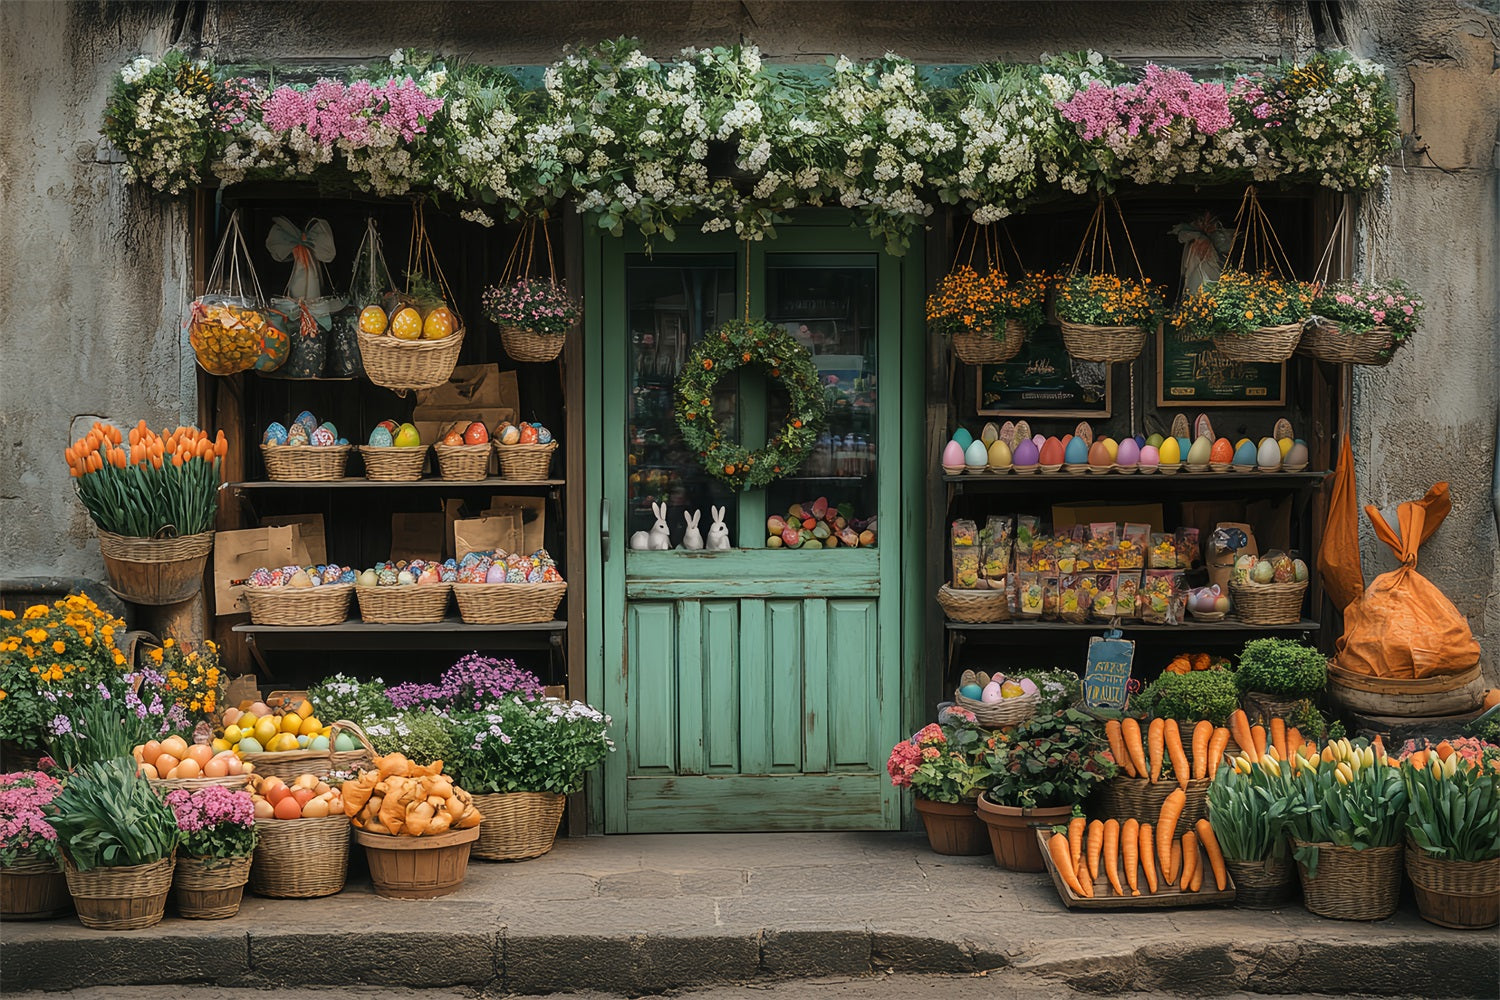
{"x": 33, "y": 890}
{"x": 1011, "y": 833}
{"x": 953, "y": 827}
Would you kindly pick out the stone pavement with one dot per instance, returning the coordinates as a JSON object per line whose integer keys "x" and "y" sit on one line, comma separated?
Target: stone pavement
{"x": 645, "y": 914}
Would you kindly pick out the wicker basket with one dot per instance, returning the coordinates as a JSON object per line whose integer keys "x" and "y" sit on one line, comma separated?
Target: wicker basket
{"x": 973, "y": 607}
{"x": 1460, "y": 894}
{"x": 409, "y": 364}
{"x": 1352, "y": 884}
{"x": 414, "y": 604}
{"x": 508, "y": 603}
{"x": 1267, "y": 344}
{"x": 1262, "y": 885}
{"x": 33, "y": 890}
{"x": 288, "y": 764}
{"x": 404, "y": 867}
{"x": 155, "y": 571}
{"x": 233, "y": 782}
{"x": 295, "y": 463}
{"x": 525, "y": 461}
{"x": 300, "y": 858}
{"x": 1268, "y": 603}
{"x": 324, "y": 605}
{"x": 1328, "y": 342}
{"x": 1008, "y": 712}
{"x": 393, "y": 464}
{"x": 1262, "y": 708}
{"x": 209, "y": 888}
{"x": 120, "y": 899}
{"x": 1103, "y": 343}
{"x": 517, "y": 825}
{"x": 527, "y": 345}
{"x": 463, "y": 461}
{"x": 1123, "y": 797}
{"x": 975, "y": 348}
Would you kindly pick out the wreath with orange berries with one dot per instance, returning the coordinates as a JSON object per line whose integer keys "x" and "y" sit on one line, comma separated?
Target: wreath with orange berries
{"x": 739, "y": 344}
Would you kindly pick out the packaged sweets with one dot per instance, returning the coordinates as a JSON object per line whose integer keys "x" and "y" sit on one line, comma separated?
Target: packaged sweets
{"x": 1104, "y": 597}
{"x": 1101, "y": 549}
{"x": 1069, "y": 552}
{"x": 1159, "y": 592}
{"x": 965, "y": 555}
{"x": 995, "y": 549}
{"x": 1044, "y": 554}
{"x": 1050, "y": 596}
{"x": 1188, "y": 552}
{"x": 1132, "y": 546}
{"x": 1029, "y": 594}
{"x": 1163, "y": 551}
{"x": 1127, "y": 587}
{"x": 1073, "y": 598}
{"x": 1028, "y": 526}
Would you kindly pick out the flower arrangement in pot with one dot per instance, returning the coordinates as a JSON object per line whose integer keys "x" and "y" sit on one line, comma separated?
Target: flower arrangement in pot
{"x": 31, "y": 884}
{"x": 534, "y": 316}
{"x": 1361, "y": 323}
{"x": 1039, "y": 773}
{"x": 1453, "y": 832}
{"x": 1106, "y": 317}
{"x": 1250, "y": 316}
{"x": 1247, "y": 810}
{"x": 1275, "y": 675}
{"x": 987, "y": 316}
{"x": 942, "y": 766}
{"x": 117, "y": 840}
{"x": 213, "y": 859}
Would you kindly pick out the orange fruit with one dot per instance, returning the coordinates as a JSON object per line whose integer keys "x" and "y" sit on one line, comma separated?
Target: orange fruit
{"x": 1491, "y": 698}
{"x": 200, "y": 752}
{"x": 218, "y": 767}
{"x": 439, "y": 324}
{"x": 303, "y": 796}
{"x": 372, "y": 320}
{"x": 288, "y": 808}
{"x": 189, "y": 768}
{"x": 406, "y": 324}
{"x": 164, "y": 764}
{"x": 175, "y": 745}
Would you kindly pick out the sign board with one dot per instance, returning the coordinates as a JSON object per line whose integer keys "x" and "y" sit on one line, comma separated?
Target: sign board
{"x": 1193, "y": 373}
{"x": 1044, "y": 380}
{"x": 1106, "y": 672}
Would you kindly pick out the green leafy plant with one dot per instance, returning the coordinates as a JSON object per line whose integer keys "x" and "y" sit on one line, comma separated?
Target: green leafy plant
{"x": 1454, "y": 808}
{"x": 423, "y": 736}
{"x": 1059, "y": 689}
{"x": 1108, "y": 300}
{"x": 1239, "y": 303}
{"x": 1351, "y": 800}
{"x": 530, "y": 746}
{"x": 95, "y": 726}
{"x": 1248, "y": 811}
{"x": 107, "y": 816}
{"x": 1281, "y": 667}
{"x": 342, "y": 697}
{"x": 941, "y": 763}
{"x": 1052, "y": 760}
{"x": 1198, "y": 694}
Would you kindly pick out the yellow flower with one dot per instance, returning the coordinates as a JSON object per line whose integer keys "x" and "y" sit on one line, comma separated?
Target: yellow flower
{"x": 7, "y": 615}
{"x": 2, "y": 693}
{"x": 169, "y": 642}
{"x": 36, "y": 634}
{"x": 58, "y": 646}
{"x": 35, "y": 611}
{"x": 119, "y": 658}
{"x": 156, "y": 656}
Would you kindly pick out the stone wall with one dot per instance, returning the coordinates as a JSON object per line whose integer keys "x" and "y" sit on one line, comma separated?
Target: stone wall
{"x": 93, "y": 277}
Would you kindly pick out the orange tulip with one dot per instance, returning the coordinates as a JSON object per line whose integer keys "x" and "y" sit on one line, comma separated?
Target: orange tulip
{"x": 221, "y": 445}
{"x": 177, "y": 460}
{"x": 69, "y": 454}
{"x": 156, "y": 461}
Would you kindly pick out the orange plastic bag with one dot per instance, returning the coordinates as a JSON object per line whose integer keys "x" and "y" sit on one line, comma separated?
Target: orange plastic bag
{"x": 1403, "y": 626}
{"x": 1338, "y": 557}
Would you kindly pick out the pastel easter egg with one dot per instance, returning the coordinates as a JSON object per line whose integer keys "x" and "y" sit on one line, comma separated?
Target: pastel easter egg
{"x": 1184, "y": 445}
{"x": 1140, "y": 440}
{"x": 1038, "y": 440}
{"x": 1065, "y": 439}
{"x": 1150, "y": 456}
{"x": 989, "y": 433}
{"x": 1026, "y": 454}
{"x": 1051, "y": 452}
{"x": 510, "y": 435}
{"x": 1169, "y": 452}
{"x": 1000, "y": 456}
{"x": 1242, "y": 441}
{"x": 963, "y": 437}
{"x": 1268, "y": 455}
{"x": 1076, "y": 453}
{"x": 1099, "y": 456}
{"x": 1155, "y": 441}
{"x": 971, "y": 691}
{"x": 1244, "y": 454}
{"x": 977, "y": 456}
{"x": 953, "y": 454}
{"x": 1201, "y": 452}
{"x": 1028, "y": 686}
{"x": 1297, "y": 456}
{"x": 1113, "y": 447}
{"x": 275, "y": 434}
{"x": 1285, "y": 444}
{"x": 380, "y": 438}
{"x": 991, "y": 692}
{"x": 1129, "y": 453}
{"x": 1222, "y": 451}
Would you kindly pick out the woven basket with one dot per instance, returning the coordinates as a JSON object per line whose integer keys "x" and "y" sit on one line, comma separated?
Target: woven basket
{"x": 288, "y": 764}
{"x": 1352, "y": 884}
{"x": 1008, "y": 712}
{"x": 324, "y": 605}
{"x": 33, "y": 890}
{"x": 1262, "y": 885}
{"x": 289, "y": 463}
{"x": 525, "y": 461}
{"x": 1328, "y": 342}
{"x": 414, "y": 604}
{"x": 1103, "y": 343}
{"x": 975, "y": 348}
{"x": 527, "y": 345}
{"x": 300, "y": 858}
{"x": 409, "y": 364}
{"x": 517, "y": 825}
{"x": 463, "y": 461}
{"x": 209, "y": 888}
{"x": 120, "y": 899}
{"x": 403, "y": 867}
{"x": 1123, "y": 797}
{"x": 392, "y": 464}
{"x": 1262, "y": 708}
{"x": 973, "y": 607}
{"x": 508, "y": 603}
{"x": 155, "y": 571}
{"x": 233, "y": 782}
{"x": 1268, "y": 603}
{"x": 1267, "y": 344}
{"x": 1459, "y": 894}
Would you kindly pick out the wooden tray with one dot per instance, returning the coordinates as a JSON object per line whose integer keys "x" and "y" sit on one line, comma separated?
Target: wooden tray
{"x": 1163, "y": 898}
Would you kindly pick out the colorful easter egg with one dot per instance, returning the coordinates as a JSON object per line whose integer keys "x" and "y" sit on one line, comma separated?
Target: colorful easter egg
{"x": 1140, "y": 440}
{"x": 275, "y": 434}
{"x": 971, "y": 691}
{"x": 297, "y": 434}
{"x": 1201, "y": 451}
{"x": 1155, "y": 441}
{"x": 953, "y": 455}
{"x": 1150, "y": 457}
{"x": 1051, "y": 452}
{"x": 977, "y": 456}
{"x": 1244, "y": 455}
{"x": 1076, "y": 452}
{"x": 1285, "y": 445}
{"x": 1099, "y": 456}
{"x": 1113, "y": 447}
{"x": 1297, "y": 456}
{"x": 1128, "y": 454}
{"x": 1038, "y": 440}
{"x": 323, "y": 437}
{"x": 963, "y": 437}
{"x": 380, "y": 438}
{"x": 1222, "y": 452}
{"x": 1026, "y": 454}
{"x": 1184, "y": 445}
{"x": 989, "y": 433}
{"x": 1000, "y": 456}
{"x": 1169, "y": 452}
{"x": 991, "y": 692}
{"x": 1268, "y": 455}
{"x": 306, "y": 419}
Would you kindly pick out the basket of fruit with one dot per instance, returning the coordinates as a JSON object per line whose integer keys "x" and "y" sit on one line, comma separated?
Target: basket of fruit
{"x": 819, "y": 524}
{"x": 302, "y": 838}
{"x": 1268, "y": 590}
{"x": 416, "y": 827}
{"x": 464, "y": 452}
{"x": 300, "y": 595}
{"x": 406, "y": 593}
{"x": 525, "y": 450}
{"x": 495, "y": 588}
{"x": 176, "y": 763}
{"x": 996, "y": 701}
{"x": 286, "y": 745}
{"x": 303, "y": 450}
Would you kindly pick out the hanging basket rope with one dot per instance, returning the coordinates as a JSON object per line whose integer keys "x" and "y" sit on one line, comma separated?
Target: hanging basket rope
{"x": 522, "y": 342}
{"x": 1110, "y": 343}
{"x": 1007, "y": 334}
{"x": 404, "y": 365}
{"x": 1261, "y": 249}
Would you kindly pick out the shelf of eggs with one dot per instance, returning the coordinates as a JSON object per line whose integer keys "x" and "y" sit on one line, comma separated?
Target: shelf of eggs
{"x": 1081, "y": 454}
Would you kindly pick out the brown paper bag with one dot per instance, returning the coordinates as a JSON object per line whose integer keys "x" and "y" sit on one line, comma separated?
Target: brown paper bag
{"x": 237, "y": 554}
{"x": 1221, "y": 560}
{"x": 533, "y": 514}
{"x": 499, "y": 530}
{"x": 416, "y": 536}
{"x": 473, "y": 392}
{"x": 312, "y": 533}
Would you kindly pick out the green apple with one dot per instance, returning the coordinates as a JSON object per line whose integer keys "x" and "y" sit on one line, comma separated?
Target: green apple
{"x": 406, "y": 436}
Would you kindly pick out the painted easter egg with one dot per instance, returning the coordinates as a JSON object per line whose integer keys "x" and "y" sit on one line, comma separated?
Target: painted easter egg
{"x": 1128, "y": 454}
{"x": 323, "y": 437}
{"x": 953, "y": 454}
{"x": 1222, "y": 452}
{"x": 1099, "y": 456}
{"x": 1244, "y": 454}
{"x": 989, "y": 433}
{"x": 1184, "y": 445}
{"x": 1113, "y": 447}
{"x": 1076, "y": 452}
{"x": 991, "y": 692}
{"x": 1285, "y": 445}
{"x": 971, "y": 691}
{"x": 1200, "y": 452}
{"x": 978, "y": 456}
{"x": 1155, "y": 441}
{"x": 1000, "y": 456}
{"x": 1150, "y": 457}
{"x": 380, "y": 438}
{"x": 1051, "y": 452}
{"x": 275, "y": 434}
{"x": 297, "y": 434}
{"x": 1170, "y": 452}
{"x": 1268, "y": 455}
{"x": 1297, "y": 455}
{"x": 306, "y": 419}
{"x": 1026, "y": 454}
{"x": 963, "y": 437}
{"x": 1038, "y": 440}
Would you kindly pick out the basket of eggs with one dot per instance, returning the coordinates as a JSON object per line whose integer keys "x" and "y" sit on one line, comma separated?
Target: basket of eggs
{"x": 525, "y": 450}
{"x": 415, "y": 346}
{"x": 415, "y": 825}
{"x": 464, "y": 451}
{"x": 996, "y": 701}
{"x": 302, "y": 838}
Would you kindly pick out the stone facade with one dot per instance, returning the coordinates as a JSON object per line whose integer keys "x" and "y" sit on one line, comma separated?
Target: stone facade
{"x": 94, "y": 278}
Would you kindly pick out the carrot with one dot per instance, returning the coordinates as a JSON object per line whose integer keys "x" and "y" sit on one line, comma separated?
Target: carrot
{"x": 1210, "y": 842}
{"x": 1258, "y": 737}
{"x": 1076, "y": 827}
{"x": 1189, "y": 859}
{"x": 1117, "y": 745}
{"x": 1216, "y": 748}
{"x": 1175, "y": 751}
{"x": 1130, "y": 847}
{"x": 1148, "y": 856}
{"x": 1203, "y": 732}
{"x": 1112, "y": 855}
{"x": 1095, "y": 848}
{"x": 1377, "y": 743}
{"x": 1130, "y": 732}
{"x": 1156, "y": 736}
{"x": 1294, "y": 739}
{"x": 1057, "y": 847}
{"x": 1166, "y": 829}
{"x": 1197, "y": 882}
{"x": 1175, "y": 861}
{"x": 1239, "y": 725}
{"x": 1278, "y": 737}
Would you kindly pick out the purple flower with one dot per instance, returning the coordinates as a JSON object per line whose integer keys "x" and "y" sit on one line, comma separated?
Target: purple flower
{"x": 60, "y": 725}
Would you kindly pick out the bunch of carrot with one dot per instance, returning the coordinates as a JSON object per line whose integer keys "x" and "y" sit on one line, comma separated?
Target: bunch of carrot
{"x": 1143, "y": 756}
{"x": 160, "y": 480}
{"x": 1087, "y": 847}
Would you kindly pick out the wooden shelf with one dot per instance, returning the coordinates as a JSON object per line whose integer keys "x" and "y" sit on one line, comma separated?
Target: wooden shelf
{"x": 359, "y": 482}
{"x": 1187, "y": 628}
{"x": 1114, "y": 483}
{"x": 450, "y": 633}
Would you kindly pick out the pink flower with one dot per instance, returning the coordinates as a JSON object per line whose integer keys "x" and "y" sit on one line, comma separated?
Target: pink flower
{"x": 1407, "y": 310}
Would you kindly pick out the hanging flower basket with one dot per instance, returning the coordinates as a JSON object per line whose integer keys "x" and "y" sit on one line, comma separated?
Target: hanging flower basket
{"x": 530, "y": 346}
{"x": 1105, "y": 317}
{"x": 987, "y": 315}
{"x": 1329, "y": 342}
{"x": 1272, "y": 344}
{"x": 1109, "y": 344}
{"x": 534, "y": 314}
{"x": 975, "y": 348}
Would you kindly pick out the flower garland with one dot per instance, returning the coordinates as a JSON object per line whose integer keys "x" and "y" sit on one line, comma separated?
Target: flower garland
{"x": 731, "y": 346}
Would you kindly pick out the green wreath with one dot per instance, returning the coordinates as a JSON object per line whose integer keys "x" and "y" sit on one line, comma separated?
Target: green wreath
{"x": 733, "y": 345}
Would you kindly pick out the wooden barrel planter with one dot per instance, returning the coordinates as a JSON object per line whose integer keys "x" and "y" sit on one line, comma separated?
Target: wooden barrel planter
{"x": 417, "y": 867}
{"x": 155, "y": 571}
{"x": 33, "y": 890}
{"x": 1420, "y": 697}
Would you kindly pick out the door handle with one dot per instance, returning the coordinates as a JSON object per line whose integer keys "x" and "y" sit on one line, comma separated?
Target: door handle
{"x": 604, "y": 527}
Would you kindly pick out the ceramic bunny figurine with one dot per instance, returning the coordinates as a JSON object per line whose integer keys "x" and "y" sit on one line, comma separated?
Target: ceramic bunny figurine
{"x": 661, "y": 537}
{"x": 692, "y": 538}
{"x": 718, "y": 532}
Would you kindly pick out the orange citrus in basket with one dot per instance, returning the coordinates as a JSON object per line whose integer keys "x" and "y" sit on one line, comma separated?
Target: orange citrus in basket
{"x": 372, "y": 320}
{"x": 438, "y": 325}
{"x": 407, "y": 324}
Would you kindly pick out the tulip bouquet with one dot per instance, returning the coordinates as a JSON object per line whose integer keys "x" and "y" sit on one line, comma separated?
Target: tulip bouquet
{"x": 172, "y": 479}
{"x": 1347, "y": 795}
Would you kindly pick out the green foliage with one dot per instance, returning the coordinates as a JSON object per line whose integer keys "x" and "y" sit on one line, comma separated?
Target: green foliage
{"x": 1454, "y": 809}
{"x": 1358, "y": 806}
{"x": 1199, "y": 694}
{"x": 1248, "y": 813}
{"x": 341, "y": 697}
{"x": 1282, "y": 667}
{"x": 423, "y": 736}
{"x": 94, "y": 726}
{"x": 107, "y": 816}
{"x": 1052, "y": 760}
{"x": 530, "y": 746}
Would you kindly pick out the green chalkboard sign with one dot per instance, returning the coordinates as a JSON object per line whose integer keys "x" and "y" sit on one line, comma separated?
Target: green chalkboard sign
{"x": 1106, "y": 672}
{"x": 1192, "y": 372}
{"x": 1043, "y": 380}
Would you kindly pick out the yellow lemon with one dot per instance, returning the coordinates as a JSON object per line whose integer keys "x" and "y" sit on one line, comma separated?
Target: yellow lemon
{"x": 372, "y": 320}
{"x": 310, "y": 726}
{"x": 247, "y": 722}
{"x": 439, "y": 324}
{"x": 266, "y": 730}
{"x": 291, "y": 722}
{"x": 406, "y": 324}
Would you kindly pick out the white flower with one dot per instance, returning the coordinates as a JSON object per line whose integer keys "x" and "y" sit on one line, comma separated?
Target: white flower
{"x": 398, "y": 59}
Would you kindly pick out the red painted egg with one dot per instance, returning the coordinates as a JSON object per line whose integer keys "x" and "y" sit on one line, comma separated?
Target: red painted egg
{"x": 1222, "y": 451}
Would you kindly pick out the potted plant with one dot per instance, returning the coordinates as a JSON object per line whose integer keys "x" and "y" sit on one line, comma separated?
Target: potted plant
{"x": 941, "y": 765}
{"x": 1361, "y": 324}
{"x": 213, "y": 859}
{"x": 1250, "y": 316}
{"x": 534, "y": 316}
{"x": 31, "y": 884}
{"x": 1275, "y": 675}
{"x": 1453, "y": 833}
{"x": 1105, "y": 317}
{"x": 117, "y": 840}
{"x": 1346, "y": 815}
{"x": 1247, "y": 809}
{"x": 520, "y": 759}
{"x": 987, "y": 316}
{"x": 1198, "y": 694}
{"x": 1039, "y": 773}
{"x": 113, "y": 717}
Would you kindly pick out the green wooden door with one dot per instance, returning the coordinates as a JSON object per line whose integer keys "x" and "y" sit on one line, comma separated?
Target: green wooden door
{"x": 753, "y": 688}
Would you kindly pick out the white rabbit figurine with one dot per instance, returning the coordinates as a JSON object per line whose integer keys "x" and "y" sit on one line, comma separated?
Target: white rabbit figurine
{"x": 718, "y": 532}
{"x": 661, "y": 537}
{"x": 692, "y": 538}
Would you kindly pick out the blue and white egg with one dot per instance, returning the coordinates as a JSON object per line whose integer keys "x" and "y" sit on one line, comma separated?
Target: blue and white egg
{"x": 543, "y": 435}
{"x": 275, "y": 434}
{"x": 347, "y": 575}
{"x": 307, "y": 420}
{"x": 380, "y": 437}
{"x": 342, "y": 441}
{"x": 331, "y": 574}
{"x": 386, "y": 578}
{"x": 448, "y": 575}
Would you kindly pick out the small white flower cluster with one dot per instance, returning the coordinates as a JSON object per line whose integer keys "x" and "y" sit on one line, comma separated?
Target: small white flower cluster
{"x": 167, "y": 140}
